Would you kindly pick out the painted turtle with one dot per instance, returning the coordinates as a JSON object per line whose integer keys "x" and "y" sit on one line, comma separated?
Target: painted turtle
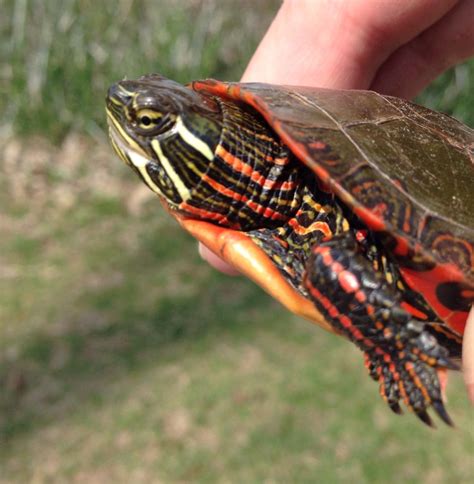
{"x": 353, "y": 209}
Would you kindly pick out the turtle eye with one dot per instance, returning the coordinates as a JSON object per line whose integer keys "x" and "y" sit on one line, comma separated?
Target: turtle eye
{"x": 147, "y": 119}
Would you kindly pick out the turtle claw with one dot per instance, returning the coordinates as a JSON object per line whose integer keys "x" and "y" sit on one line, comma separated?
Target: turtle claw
{"x": 440, "y": 410}
{"x": 442, "y": 413}
{"x": 425, "y": 418}
{"x": 395, "y": 407}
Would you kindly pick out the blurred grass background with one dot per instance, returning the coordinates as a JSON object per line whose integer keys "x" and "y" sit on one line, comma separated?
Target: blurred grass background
{"x": 123, "y": 357}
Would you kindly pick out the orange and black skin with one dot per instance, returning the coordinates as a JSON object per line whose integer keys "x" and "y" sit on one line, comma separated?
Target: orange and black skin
{"x": 330, "y": 240}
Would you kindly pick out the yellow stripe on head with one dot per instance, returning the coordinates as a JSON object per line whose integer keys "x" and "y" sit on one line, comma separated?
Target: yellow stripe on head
{"x": 118, "y": 150}
{"x": 126, "y": 91}
{"x": 127, "y": 139}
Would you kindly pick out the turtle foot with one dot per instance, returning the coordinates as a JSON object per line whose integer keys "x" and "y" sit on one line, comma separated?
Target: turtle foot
{"x": 404, "y": 376}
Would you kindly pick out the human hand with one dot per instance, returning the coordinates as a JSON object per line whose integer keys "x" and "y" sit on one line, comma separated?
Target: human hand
{"x": 468, "y": 356}
{"x": 394, "y": 48}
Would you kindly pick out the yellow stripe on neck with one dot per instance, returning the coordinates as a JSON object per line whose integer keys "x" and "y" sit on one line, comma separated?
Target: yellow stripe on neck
{"x": 192, "y": 140}
{"x": 183, "y": 191}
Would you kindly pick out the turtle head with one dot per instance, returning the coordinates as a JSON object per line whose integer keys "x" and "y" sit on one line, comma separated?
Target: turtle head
{"x": 165, "y": 131}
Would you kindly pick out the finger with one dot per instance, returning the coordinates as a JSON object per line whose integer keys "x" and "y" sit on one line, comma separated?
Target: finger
{"x": 468, "y": 356}
{"x": 338, "y": 44}
{"x": 216, "y": 261}
{"x": 416, "y": 64}
{"x": 443, "y": 382}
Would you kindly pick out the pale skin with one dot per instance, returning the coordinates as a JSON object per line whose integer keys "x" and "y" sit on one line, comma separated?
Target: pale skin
{"x": 391, "y": 46}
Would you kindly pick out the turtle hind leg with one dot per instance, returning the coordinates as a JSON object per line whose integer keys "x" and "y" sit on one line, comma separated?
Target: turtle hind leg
{"x": 357, "y": 300}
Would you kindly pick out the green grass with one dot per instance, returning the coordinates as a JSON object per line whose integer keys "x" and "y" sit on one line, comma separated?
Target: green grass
{"x": 124, "y": 357}
{"x": 453, "y": 93}
{"x": 64, "y": 54}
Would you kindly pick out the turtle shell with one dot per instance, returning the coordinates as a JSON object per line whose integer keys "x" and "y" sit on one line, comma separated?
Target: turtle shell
{"x": 407, "y": 172}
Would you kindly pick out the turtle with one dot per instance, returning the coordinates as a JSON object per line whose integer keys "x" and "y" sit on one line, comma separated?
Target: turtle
{"x": 353, "y": 209}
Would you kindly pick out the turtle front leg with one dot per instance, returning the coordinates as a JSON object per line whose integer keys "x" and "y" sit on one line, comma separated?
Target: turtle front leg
{"x": 357, "y": 300}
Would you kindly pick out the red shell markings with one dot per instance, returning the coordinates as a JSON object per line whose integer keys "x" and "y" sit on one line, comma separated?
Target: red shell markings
{"x": 378, "y": 197}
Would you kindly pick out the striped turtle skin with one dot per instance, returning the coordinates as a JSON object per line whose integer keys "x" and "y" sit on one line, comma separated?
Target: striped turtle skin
{"x": 353, "y": 209}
